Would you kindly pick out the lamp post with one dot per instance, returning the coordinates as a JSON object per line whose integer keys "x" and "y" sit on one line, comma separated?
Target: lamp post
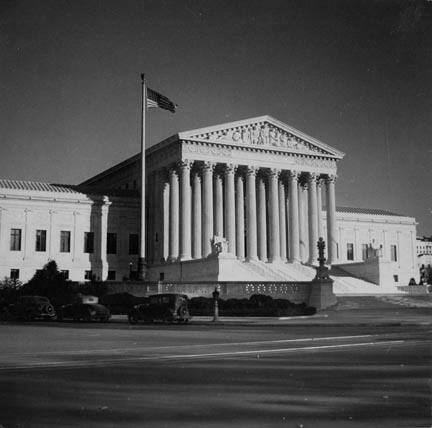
{"x": 130, "y": 270}
{"x": 216, "y": 304}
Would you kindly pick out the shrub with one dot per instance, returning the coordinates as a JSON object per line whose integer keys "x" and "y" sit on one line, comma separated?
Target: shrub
{"x": 257, "y": 305}
{"x": 51, "y": 283}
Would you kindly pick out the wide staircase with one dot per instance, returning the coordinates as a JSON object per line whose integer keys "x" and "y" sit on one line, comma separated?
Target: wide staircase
{"x": 344, "y": 283}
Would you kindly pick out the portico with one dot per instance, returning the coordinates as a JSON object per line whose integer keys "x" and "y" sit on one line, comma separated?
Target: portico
{"x": 255, "y": 183}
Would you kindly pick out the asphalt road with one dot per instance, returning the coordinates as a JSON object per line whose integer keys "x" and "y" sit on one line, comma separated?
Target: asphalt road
{"x": 252, "y": 375}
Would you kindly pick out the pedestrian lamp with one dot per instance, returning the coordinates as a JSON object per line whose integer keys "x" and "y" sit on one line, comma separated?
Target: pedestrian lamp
{"x": 216, "y": 304}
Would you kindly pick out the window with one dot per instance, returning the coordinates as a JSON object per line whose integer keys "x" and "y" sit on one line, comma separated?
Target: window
{"x": 337, "y": 251}
{"x": 133, "y": 243}
{"x": 393, "y": 253}
{"x": 88, "y": 274}
{"x": 40, "y": 240}
{"x": 111, "y": 243}
{"x": 14, "y": 274}
{"x": 350, "y": 251}
{"x": 65, "y": 274}
{"x": 65, "y": 241}
{"x": 111, "y": 275}
{"x": 15, "y": 240}
{"x": 364, "y": 251}
{"x": 88, "y": 242}
{"x": 134, "y": 184}
{"x": 396, "y": 278}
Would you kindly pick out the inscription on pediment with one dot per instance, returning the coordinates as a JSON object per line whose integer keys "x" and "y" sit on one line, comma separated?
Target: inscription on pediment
{"x": 263, "y": 134}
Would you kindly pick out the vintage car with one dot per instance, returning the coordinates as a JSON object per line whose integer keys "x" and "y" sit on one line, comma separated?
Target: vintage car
{"x": 121, "y": 303}
{"x": 167, "y": 308}
{"x": 29, "y": 308}
{"x": 84, "y": 308}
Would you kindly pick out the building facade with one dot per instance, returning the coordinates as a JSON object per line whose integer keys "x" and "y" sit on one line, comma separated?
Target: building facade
{"x": 240, "y": 200}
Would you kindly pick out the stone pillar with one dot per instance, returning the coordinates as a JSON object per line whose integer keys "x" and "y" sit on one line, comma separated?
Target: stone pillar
{"x": 331, "y": 219}
{"x": 174, "y": 216}
{"x": 207, "y": 208}
{"x": 185, "y": 210}
{"x": 196, "y": 220}
{"x": 303, "y": 222}
{"x": 166, "y": 217}
{"x": 313, "y": 219}
{"x": 262, "y": 220}
{"x": 282, "y": 222}
{"x": 251, "y": 214}
{"x": 293, "y": 217}
{"x": 319, "y": 209}
{"x": 157, "y": 197}
{"x": 274, "y": 216}
{"x": 218, "y": 204}
{"x": 240, "y": 229}
{"x": 230, "y": 220}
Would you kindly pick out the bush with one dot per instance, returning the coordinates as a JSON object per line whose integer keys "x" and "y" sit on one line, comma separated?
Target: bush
{"x": 10, "y": 290}
{"x": 51, "y": 283}
{"x": 257, "y": 305}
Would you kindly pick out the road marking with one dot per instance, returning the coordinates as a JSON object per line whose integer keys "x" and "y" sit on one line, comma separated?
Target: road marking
{"x": 92, "y": 363}
{"x": 261, "y": 342}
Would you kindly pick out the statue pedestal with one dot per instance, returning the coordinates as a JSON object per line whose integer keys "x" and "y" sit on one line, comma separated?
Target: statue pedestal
{"x": 322, "y": 295}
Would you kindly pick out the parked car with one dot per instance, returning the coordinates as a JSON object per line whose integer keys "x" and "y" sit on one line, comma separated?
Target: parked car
{"x": 167, "y": 308}
{"x": 84, "y": 308}
{"x": 121, "y": 303}
{"x": 29, "y": 308}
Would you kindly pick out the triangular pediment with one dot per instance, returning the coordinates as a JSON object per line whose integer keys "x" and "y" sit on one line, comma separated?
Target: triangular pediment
{"x": 264, "y": 132}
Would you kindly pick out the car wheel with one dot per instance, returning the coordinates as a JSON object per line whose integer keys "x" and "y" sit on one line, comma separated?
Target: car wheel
{"x": 132, "y": 318}
{"x": 86, "y": 317}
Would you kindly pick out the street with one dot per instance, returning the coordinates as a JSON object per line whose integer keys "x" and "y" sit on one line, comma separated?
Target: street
{"x": 296, "y": 374}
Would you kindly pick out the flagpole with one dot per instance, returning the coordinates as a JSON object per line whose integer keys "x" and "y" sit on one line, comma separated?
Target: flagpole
{"x": 142, "y": 253}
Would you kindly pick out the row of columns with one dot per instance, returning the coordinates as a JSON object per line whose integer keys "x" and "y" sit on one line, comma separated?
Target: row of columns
{"x": 239, "y": 206}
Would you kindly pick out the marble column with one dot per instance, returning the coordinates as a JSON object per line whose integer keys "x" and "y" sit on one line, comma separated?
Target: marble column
{"x": 174, "y": 216}
{"x": 303, "y": 189}
{"x": 230, "y": 220}
{"x": 185, "y": 210}
{"x": 207, "y": 208}
{"x": 319, "y": 209}
{"x": 166, "y": 217}
{"x": 262, "y": 220}
{"x": 239, "y": 210}
{"x": 218, "y": 204}
{"x": 282, "y": 221}
{"x": 157, "y": 254}
{"x": 251, "y": 213}
{"x": 313, "y": 219}
{"x": 331, "y": 219}
{"x": 196, "y": 219}
{"x": 274, "y": 216}
{"x": 294, "y": 239}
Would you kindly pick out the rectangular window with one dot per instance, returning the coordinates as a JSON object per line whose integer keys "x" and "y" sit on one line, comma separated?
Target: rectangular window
{"x": 133, "y": 243}
{"x": 337, "y": 251}
{"x": 364, "y": 251}
{"x": 65, "y": 274}
{"x": 88, "y": 242}
{"x": 14, "y": 274}
{"x": 393, "y": 253}
{"x": 65, "y": 241}
{"x": 88, "y": 275}
{"x": 350, "y": 251}
{"x": 111, "y": 275}
{"x": 15, "y": 240}
{"x": 40, "y": 240}
{"x": 111, "y": 243}
{"x": 396, "y": 278}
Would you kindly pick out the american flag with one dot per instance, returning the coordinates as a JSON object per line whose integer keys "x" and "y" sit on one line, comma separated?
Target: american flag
{"x": 155, "y": 99}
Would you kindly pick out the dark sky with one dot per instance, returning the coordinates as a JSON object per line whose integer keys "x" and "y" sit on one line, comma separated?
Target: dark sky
{"x": 355, "y": 74}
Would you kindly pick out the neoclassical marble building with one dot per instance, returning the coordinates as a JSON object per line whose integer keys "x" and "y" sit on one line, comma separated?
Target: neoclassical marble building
{"x": 239, "y": 201}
